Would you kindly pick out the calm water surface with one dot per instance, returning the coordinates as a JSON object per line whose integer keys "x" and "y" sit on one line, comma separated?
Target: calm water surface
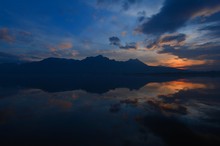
{"x": 172, "y": 113}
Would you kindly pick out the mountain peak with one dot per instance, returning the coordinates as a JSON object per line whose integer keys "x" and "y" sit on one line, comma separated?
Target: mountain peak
{"x": 53, "y": 59}
{"x": 134, "y": 60}
{"x": 90, "y": 65}
{"x": 97, "y": 58}
{"x": 100, "y": 56}
{"x": 137, "y": 61}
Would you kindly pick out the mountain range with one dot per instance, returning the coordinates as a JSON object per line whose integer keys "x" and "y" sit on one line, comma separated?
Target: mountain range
{"x": 93, "y": 74}
{"x": 90, "y": 65}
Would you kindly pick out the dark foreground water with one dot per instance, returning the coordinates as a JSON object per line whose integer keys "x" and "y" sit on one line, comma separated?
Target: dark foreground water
{"x": 178, "y": 112}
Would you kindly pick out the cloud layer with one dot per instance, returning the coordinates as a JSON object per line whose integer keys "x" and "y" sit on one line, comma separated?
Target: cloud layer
{"x": 176, "y": 33}
{"x": 175, "y": 14}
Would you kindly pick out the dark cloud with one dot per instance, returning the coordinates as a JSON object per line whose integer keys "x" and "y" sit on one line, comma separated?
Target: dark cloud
{"x": 213, "y": 30}
{"x": 132, "y": 45}
{"x": 213, "y": 18}
{"x": 151, "y": 44}
{"x": 178, "y": 37}
{"x": 141, "y": 16}
{"x": 115, "y": 41}
{"x": 5, "y": 36}
{"x": 175, "y": 13}
{"x": 208, "y": 51}
{"x": 211, "y": 27}
{"x": 209, "y": 66}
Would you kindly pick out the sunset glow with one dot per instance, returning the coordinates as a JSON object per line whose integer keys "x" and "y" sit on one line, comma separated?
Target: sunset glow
{"x": 172, "y": 87}
{"x": 183, "y": 63}
{"x": 109, "y": 72}
{"x": 120, "y": 30}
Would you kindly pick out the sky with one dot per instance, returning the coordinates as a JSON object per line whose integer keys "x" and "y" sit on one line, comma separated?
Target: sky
{"x": 176, "y": 33}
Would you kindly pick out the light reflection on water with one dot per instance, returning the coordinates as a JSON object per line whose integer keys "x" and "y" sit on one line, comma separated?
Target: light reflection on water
{"x": 178, "y": 112}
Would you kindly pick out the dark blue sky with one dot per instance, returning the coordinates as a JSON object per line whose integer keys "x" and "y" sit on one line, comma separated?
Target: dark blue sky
{"x": 176, "y": 33}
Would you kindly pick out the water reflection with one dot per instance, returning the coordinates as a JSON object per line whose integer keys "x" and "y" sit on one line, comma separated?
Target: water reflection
{"x": 175, "y": 86}
{"x": 180, "y": 112}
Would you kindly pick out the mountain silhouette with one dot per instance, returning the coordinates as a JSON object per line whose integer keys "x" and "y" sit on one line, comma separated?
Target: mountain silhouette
{"x": 89, "y": 65}
{"x": 93, "y": 74}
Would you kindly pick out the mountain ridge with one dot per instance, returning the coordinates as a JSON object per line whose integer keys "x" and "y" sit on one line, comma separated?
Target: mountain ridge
{"x": 90, "y": 65}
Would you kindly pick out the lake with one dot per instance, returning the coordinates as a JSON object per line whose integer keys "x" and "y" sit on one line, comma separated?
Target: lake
{"x": 171, "y": 112}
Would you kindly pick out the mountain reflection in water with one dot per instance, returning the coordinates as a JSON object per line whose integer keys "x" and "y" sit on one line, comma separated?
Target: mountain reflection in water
{"x": 175, "y": 112}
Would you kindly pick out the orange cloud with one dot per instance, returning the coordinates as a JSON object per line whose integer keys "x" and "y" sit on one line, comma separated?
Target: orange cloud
{"x": 182, "y": 63}
{"x": 174, "y": 61}
{"x": 123, "y": 33}
{"x": 4, "y": 35}
{"x": 52, "y": 49}
{"x": 207, "y": 12}
{"x": 65, "y": 45}
{"x": 61, "y": 46}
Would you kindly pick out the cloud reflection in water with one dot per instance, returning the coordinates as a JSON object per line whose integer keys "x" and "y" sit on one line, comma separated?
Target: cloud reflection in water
{"x": 156, "y": 114}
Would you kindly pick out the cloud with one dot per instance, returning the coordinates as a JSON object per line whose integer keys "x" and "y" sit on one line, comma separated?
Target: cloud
{"x": 52, "y": 49}
{"x": 61, "y": 46}
{"x": 126, "y": 4}
{"x": 213, "y": 30}
{"x": 186, "y": 54}
{"x": 205, "y": 56}
{"x": 205, "y": 12}
{"x": 175, "y": 39}
{"x": 213, "y": 18}
{"x": 74, "y": 52}
{"x": 17, "y": 36}
{"x": 175, "y": 13}
{"x": 104, "y": 3}
{"x": 208, "y": 51}
{"x": 183, "y": 63}
{"x": 214, "y": 65}
{"x": 65, "y": 45}
{"x": 130, "y": 7}
{"x": 65, "y": 53}
{"x": 5, "y": 36}
{"x": 63, "y": 49}
{"x": 132, "y": 45}
{"x": 141, "y": 16}
{"x": 115, "y": 41}
{"x": 123, "y": 33}
{"x": 178, "y": 38}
